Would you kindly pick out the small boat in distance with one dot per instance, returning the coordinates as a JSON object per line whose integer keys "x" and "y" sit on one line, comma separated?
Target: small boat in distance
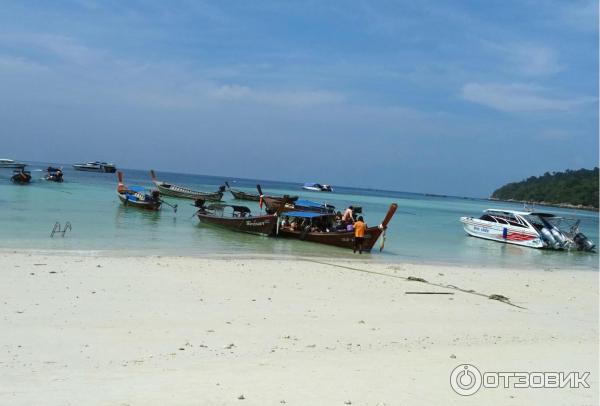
{"x": 320, "y": 228}
{"x": 137, "y": 196}
{"x": 21, "y": 177}
{"x": 168, "y": 189}
{"x": 317, "y": 187}
{"x": 236, "y": 218}
{"x": 54, "y": 174}
{"x": 96, "y": 166}
{"x": 528, "y": 229}
{"x": 241, "y": 195}
{"x": 11, "y": 164}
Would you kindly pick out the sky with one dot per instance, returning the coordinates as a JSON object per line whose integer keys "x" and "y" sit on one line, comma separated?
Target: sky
{"x": 449, "y": 97}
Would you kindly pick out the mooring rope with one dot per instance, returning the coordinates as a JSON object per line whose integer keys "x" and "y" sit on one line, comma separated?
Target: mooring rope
{"x": 500, "y": 298}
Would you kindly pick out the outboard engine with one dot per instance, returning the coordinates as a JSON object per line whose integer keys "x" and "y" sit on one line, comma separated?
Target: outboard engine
{"x": 559, "y": 237}
{"x": 549, "y": 238}
{"x": 583, "y": 243}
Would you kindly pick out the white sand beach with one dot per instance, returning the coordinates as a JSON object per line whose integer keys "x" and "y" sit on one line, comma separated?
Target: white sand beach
{"x": 85, "y": 329}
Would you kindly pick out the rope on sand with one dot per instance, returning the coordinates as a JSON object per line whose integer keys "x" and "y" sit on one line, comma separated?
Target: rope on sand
{"x": 497, "y": 297}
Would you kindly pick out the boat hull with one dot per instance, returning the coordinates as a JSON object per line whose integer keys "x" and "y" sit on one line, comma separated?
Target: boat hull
{"x": 342, "y": 239}
{"x": 502, "y": 233}
{"x": 140, "y": 204}
{"x": 108, "y": 168}
{"x": 183, "y": 193}
{"x": 259, "y": 225}
{"x": 15, "y": 165}
{"x": 238, "y": 194}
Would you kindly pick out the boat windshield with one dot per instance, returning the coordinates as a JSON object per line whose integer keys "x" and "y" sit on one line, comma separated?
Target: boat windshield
{"x": 504, "y": 218}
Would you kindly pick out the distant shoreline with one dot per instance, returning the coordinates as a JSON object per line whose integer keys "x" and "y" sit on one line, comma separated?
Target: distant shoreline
{"x": 560, "y": 205}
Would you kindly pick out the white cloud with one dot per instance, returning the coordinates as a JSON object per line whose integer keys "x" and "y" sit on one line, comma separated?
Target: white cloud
{"x": 527, "y": 59}
{"x": 516, "y": 97}
{"x": 279, "y": 97}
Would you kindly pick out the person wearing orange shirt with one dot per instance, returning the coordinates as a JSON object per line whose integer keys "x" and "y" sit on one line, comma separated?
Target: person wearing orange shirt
{"x": 359, "y": 234}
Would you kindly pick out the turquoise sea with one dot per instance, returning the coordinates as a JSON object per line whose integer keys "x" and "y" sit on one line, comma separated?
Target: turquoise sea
{"x": 425, "y": 229}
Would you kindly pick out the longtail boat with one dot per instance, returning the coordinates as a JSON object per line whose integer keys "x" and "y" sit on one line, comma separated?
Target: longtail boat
{"x": 54, "y": 174}
{"x": 168, "y": 189}
{"x": 319, "y": 228}
{"x": 21, "y": 177}
{"x": 236, "y": 218}
{"x": 137, "y": 196}
{"x": 241, "y": 195}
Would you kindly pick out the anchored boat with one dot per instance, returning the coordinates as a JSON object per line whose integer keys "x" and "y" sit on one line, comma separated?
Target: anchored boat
{"x": 138, "y": 196}
{"x": 317, "y": 187}
{"x": 21, "y": 177}
{"x": 236, "y": 218}
{"x": 241, "y": 195}
{"x": 96, "y": 166}
{"x": 321, "y": 228}
{"x": 528, "y": 229}
{"x": 185, "y": 193}
{"x": 54, "y": 174}
{"x": 11, "y": 164}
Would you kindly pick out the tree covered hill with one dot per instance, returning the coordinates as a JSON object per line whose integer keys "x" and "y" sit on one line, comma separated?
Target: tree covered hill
{"x": 576, "y": 188}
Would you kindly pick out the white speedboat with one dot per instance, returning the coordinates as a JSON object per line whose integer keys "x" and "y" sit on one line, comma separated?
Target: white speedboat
{"x": 529, "y": 229}
{"x": 317, "y": 187}
{"x": 9, "y": 163}
{"x": 96, "y": 166}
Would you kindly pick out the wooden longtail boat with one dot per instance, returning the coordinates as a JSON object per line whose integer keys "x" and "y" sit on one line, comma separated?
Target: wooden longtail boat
{"x": 137, "y": 196}
{"x": 240, "y": 219}
{"x": 343, "y": 239}
{"x": 21, "y": 177}
{"x": 54, "y": 174}
{"x": 185, "y": 193}
{"x": 240, "y": 195}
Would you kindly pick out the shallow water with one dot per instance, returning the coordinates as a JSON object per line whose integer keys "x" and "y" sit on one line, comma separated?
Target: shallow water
{"x": 424, "y": 229}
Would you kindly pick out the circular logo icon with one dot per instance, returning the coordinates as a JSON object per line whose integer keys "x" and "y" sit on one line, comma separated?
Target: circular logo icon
{"x": 465, "y": 379}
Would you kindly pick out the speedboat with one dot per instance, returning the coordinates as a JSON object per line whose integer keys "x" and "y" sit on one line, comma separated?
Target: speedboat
{"x": 528, "y": 229}
{"x": 317, "y": 187}
{"x": 96, "y": 166}
{"x": 9, "y": 163}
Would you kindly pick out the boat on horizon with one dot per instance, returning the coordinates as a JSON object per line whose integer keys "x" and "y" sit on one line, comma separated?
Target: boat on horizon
{"x": 168, "y": 189}
{"x": 317, "y": 187}
{"x": 320, "y": 228}
{"x": 11, "y": 164}
{"x": 96, "y": 166}
{"x": 137, "y": 196}
{"x": 236, "y": 218}
{"x": 528, "y": 229}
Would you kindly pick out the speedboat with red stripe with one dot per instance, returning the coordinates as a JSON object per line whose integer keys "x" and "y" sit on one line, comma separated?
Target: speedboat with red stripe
{"x": 528, "y": 229}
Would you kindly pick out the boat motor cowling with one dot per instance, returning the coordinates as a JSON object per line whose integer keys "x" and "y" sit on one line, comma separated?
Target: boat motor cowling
{"x": 549, "y": 238}
{"x": 583, "y": 243}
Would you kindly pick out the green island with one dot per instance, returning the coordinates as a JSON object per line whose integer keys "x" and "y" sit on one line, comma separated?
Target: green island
{"x": 571, "y": 188}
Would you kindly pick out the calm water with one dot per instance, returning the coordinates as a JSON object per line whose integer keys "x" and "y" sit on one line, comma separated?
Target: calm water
{"x": 424, "y": 229}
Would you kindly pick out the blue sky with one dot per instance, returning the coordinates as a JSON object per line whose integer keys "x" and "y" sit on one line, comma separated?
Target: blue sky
{"x": 426, "y": 96}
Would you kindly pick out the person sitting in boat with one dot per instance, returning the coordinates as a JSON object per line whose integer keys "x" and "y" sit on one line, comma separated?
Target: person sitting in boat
{"x": 285, "y": 222}
{"x": 359, "y": 234}
{"x": 348, "y": 216}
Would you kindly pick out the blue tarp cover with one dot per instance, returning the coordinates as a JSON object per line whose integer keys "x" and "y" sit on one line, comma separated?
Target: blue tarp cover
{"x": 304, "y": 214}
{"x": 135, "y": 188}
{"x": 308, "y": 203}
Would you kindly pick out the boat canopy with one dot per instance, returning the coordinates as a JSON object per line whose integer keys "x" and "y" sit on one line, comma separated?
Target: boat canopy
{"x": 308, "y": 203}
{"x": 306, "y": 214}
{"x": 135, "y": 188}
